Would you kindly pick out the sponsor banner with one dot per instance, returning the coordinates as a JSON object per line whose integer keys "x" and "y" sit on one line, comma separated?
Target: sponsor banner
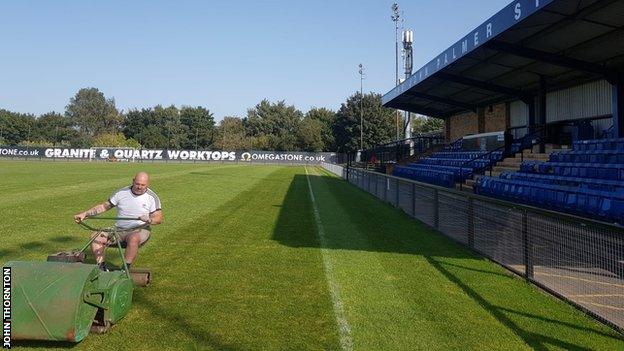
{"x": 116, "y": 154}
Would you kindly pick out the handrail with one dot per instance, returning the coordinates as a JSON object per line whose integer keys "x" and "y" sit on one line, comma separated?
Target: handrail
{"x": 522, "y": 139}
{"x": 387, "y": 149}
{"x": 476, "y": 158}
{"x": 398, "y": 141}
{"x": 528, "y": 136}
{"x": 454, "y": 142}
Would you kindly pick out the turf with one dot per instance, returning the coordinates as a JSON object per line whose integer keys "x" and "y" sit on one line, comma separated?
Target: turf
{"x": 238, "y": 265}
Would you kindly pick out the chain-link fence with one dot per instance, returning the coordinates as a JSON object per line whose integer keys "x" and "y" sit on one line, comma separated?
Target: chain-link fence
{"x": 577, "y": 259}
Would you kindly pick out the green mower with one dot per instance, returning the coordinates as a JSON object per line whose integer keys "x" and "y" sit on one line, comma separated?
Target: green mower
{"x": 64, "y": 299}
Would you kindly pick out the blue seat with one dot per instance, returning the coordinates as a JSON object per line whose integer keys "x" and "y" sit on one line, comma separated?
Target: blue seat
{"x": 437, "y": 177}
{"x": 598, "y": 204}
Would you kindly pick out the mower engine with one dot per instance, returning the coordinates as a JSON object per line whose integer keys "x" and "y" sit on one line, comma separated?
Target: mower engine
{"x": 61, "y": 301}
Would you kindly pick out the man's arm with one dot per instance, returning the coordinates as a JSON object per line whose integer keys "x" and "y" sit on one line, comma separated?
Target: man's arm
{"x": 155, "y": 217}
{"x": 93, "y": 211}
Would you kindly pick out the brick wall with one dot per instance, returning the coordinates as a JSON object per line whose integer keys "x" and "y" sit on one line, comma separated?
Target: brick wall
{"x": 472, "y": 123}
{"x": 497, "y": 119}
{"x": 462, "y": 124}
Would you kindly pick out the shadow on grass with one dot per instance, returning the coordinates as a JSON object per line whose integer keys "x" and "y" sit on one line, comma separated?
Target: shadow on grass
{"x": 50, "y": 246}
{"x": 369, "y": 225}
{"x": 383, "y": 228}
{"x": 534, "y": 340}
{"x": 63, "y": 239}
{"x": 32, "y": 245}
{"x": 45, "y": 344}
{"x": 6, "y": 252}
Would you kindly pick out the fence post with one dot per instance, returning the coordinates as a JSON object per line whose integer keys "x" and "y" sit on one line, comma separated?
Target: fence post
{"x": 471, "y": 226}
{"x": 369, "y": 182}
{"x": 436, "y": 209}
{"x": 386, "y": 188}
{"x": 376, "y": 185}
{"x": 526, "y": 242}
{"x": 398, "y": 184}
{"x": 414, "y": 200}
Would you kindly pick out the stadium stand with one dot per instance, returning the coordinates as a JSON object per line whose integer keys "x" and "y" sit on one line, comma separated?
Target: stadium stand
{"x": 455, "y": 165}
{"x": 448, "y": 167}
{"x": 587, "y": 181}
{"x": 554, "y": 65}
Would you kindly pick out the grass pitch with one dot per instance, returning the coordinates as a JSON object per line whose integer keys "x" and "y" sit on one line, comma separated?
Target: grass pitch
{"x": 242, "y": 262}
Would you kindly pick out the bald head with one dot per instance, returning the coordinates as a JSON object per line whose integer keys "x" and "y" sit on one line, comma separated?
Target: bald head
{"x": 140, "y": 183}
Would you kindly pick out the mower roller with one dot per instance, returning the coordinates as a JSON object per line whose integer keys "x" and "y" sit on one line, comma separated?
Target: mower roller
{"x": 64, "y": 298}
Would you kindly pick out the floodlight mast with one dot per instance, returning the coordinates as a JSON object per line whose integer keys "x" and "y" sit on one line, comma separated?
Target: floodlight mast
{"x": 395, "y": 18}
{"x": 361, "y": 72}
{"x": 408, "y": 39}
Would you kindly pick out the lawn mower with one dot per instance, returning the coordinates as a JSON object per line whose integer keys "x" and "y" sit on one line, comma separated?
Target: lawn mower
{"x": 65, "y": 298}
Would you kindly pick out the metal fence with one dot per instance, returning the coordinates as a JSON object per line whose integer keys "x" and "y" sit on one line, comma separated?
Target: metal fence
{"x": 577, "y": 259}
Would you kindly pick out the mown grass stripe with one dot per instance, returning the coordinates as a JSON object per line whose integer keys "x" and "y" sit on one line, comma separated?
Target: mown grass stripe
{"x": 109, "y": 183}
{"x": 346, "y": 342}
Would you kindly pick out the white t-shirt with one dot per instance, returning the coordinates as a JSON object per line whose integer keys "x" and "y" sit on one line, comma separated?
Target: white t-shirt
{"x": 130, "y": 205}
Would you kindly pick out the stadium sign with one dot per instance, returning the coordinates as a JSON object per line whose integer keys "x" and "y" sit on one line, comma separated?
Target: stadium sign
{"x": 125, "y": 154}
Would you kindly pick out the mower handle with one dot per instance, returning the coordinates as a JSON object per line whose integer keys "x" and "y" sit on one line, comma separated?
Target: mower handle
{"x": 113, "y": 231}
{"x": 115, "y": 218}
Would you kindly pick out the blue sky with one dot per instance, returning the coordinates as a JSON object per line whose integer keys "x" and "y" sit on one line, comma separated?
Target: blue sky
{"x": 226, "y": 56}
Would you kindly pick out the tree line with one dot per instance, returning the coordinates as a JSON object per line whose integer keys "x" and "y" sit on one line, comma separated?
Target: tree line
{"x": 91, "y": 119}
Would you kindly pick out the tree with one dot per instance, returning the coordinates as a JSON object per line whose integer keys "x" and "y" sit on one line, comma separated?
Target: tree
{"x": 16, "y": 127}
{"x": 424, "y": 124}
{"x": 378, "y": 121}
{"x": 114, "y": 140}
{"x": 91, "y": 113}
{"x": 152, "y": 138}
{"x": 326, "y": 117}
{"x": 174, "y": 130}
{"x": 136, "y": 122}
{"x": 200, "y": 125}
{"x": 310, "y": 135}
{"x": 54, "y": 128}
{"x": 231, "y": 135}
{"x": 276, "y": 124}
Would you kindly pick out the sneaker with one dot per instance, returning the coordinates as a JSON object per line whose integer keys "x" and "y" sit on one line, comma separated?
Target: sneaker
{"x": 103, "y": 267}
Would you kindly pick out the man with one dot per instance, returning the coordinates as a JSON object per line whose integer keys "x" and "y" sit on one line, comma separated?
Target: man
{"x": 135, "y": 201}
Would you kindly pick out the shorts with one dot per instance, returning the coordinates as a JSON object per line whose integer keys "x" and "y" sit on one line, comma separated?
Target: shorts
{"x": 144, "y": 234}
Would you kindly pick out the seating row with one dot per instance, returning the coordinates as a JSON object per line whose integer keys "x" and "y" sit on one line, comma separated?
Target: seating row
{"x": 604, "y": 156}
{"x": 599, "y": 144}
{"x": 464, "y": 155}
{"x": 601, "y": 205}
{"x": 446, "y": 168}
{"x": 465, "y": 172}
{"x": 476, "y": 164}
{"x": 581, "y": 170}
{"x": 595, "y": 184}
{"x": 437, "y": 177}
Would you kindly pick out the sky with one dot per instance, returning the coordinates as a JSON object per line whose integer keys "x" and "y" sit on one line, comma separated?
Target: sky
{"x": 226, "y": 56}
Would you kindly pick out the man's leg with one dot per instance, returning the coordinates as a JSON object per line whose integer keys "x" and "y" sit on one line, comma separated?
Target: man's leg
{"x": 133, "y": 241}
{"x": 98, "y": 246}
{"x": 132, "y": 246}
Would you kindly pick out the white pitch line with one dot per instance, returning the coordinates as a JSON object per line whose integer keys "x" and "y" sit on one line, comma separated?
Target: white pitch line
{"x": 346, "y": 342}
